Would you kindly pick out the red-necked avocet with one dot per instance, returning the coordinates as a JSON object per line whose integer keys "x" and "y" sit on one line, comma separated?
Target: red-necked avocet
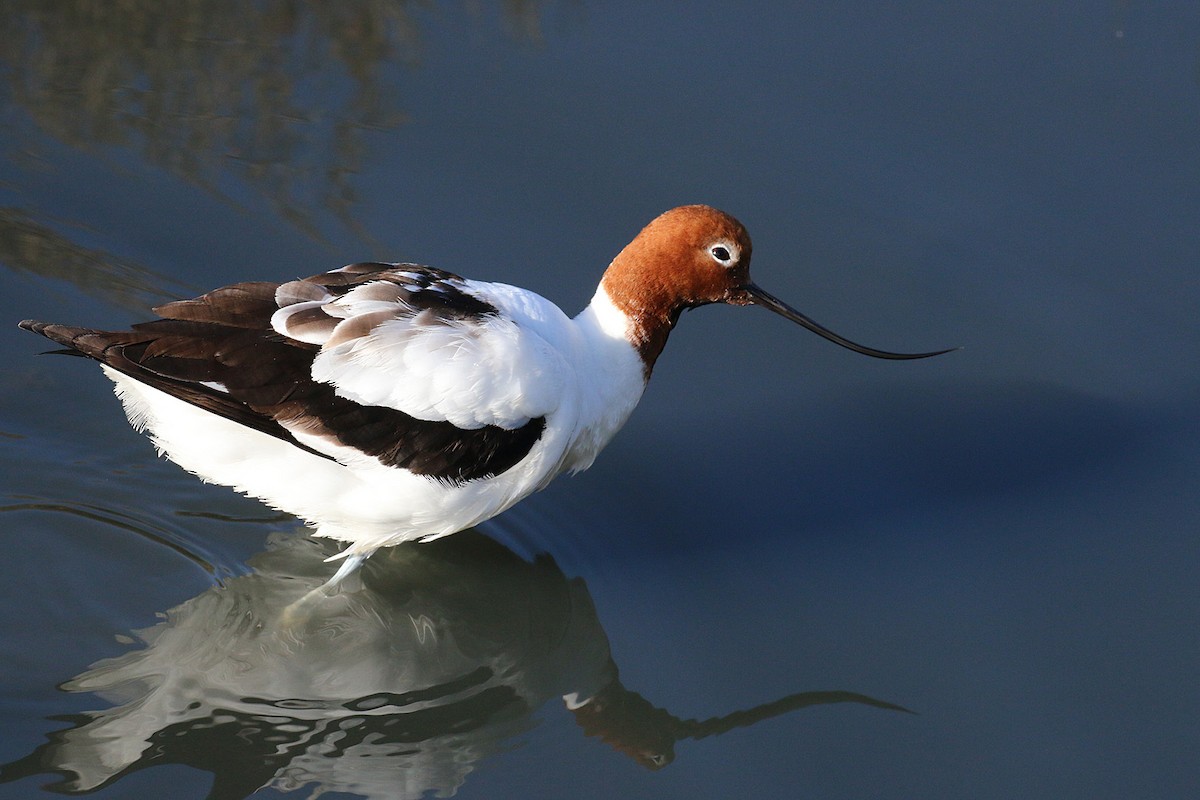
{"x": 384, "y": 403}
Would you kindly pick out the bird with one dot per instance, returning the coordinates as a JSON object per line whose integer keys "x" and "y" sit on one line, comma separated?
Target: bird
{"x": 391, "y": 402}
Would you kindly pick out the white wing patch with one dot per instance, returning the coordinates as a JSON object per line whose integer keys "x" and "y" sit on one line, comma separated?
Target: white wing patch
{"x": 379, "y": 346}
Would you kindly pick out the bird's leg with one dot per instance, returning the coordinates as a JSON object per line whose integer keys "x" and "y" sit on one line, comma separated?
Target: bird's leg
{"x": 299, "y": 610}
{"x": 350, "y": 563}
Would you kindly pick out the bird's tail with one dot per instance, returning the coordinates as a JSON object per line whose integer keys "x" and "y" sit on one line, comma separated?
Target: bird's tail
{"x": 75, "y": 341}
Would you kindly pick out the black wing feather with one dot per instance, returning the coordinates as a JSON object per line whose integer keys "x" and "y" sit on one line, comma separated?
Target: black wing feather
{"x": 225, "y": 338}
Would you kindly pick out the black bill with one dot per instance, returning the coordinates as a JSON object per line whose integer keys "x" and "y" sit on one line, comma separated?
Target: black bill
{"x": 756, "y": 296}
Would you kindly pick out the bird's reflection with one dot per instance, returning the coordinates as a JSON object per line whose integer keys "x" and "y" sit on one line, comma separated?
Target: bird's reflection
{"x": 397, "y": 688}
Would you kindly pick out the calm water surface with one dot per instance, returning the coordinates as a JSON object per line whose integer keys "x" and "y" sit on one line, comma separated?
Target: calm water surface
{"x": 788, "y": 549}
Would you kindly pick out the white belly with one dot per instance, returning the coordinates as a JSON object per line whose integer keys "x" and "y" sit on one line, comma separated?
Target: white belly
{"x": 362, "y": 502}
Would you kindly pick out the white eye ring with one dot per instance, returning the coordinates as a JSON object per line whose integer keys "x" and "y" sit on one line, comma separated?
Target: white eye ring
{"x": 724, "y": 254}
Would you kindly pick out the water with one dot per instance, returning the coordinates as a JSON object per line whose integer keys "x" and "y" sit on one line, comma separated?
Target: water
{"x": 785, "y": 541}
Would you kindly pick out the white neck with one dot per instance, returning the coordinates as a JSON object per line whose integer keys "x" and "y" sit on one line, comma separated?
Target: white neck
{"x": 613, "y": 377}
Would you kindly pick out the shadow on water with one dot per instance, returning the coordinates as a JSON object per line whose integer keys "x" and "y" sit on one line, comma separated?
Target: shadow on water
{"x": 909, "y": 455}
{"x": 395, "y": 688}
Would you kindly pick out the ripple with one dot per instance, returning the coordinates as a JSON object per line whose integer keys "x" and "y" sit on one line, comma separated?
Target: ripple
{"x": 180, "y": 541}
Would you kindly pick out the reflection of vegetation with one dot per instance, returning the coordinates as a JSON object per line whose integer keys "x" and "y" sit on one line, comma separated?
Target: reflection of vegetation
{"x": 276, "y": 93}
{"x": 26, "y": 246}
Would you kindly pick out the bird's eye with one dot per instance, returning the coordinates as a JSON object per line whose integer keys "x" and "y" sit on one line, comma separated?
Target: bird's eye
{"x": 721, "y": 255}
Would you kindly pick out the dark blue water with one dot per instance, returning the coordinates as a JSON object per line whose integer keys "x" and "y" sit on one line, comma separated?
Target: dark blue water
{"x": 785, "y": 541}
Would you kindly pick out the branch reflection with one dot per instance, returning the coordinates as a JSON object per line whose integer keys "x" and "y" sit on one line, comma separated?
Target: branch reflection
{"x": 273, "y": 96}
{"x": 395, "y": 689}
{"x": 27, "y": 246}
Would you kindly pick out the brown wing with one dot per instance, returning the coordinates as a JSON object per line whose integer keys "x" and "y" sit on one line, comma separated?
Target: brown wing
{"x": 219, "y": 352}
